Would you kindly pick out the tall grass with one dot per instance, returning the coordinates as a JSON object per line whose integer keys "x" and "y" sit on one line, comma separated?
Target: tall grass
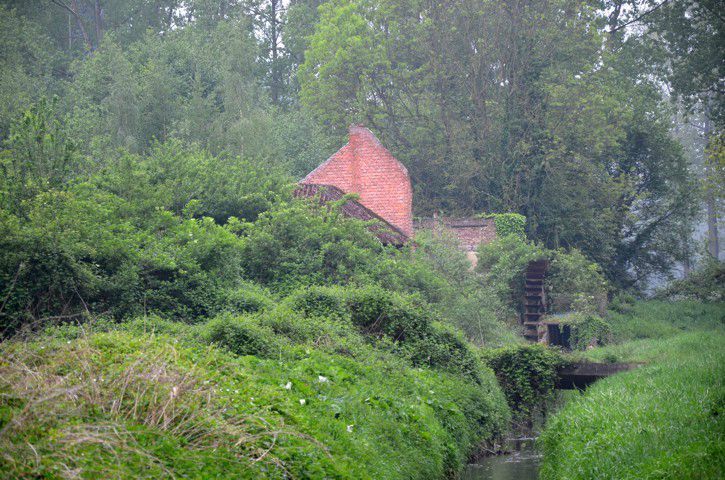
{"x": 661, "y": 319}
{"x": 127, "y": 404}
{"x": 663, "y": 420}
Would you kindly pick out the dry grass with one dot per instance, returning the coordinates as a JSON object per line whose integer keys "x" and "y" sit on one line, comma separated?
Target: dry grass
{"x": 72, "y": 396}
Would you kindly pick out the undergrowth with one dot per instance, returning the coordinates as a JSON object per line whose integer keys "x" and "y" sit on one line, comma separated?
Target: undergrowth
{"x": 128, "y": 404}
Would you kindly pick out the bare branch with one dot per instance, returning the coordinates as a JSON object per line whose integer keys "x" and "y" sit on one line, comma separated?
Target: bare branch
{"x": 638, "y": 17}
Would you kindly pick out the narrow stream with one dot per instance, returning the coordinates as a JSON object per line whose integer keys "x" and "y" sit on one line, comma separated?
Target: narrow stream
{"x": 521, "y": 464}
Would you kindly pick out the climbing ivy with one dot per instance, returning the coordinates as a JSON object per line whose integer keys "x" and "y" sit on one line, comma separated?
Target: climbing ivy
{"x": 527, "y": 375}
{"x": 509, "y": 224}
{"x": 586, "y": 329}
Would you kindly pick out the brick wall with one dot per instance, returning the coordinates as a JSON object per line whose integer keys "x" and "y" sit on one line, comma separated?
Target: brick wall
{"x": 470, "y": 232}
{"x": 364, "y": 166}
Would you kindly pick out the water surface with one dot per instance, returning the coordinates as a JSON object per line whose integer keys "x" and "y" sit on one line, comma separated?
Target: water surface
{"x": 521, "y": 464}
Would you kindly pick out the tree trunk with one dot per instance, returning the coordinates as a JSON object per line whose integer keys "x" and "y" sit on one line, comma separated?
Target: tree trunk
{"x": 713, "y": 239}
{"x": 76, "y": 13}
{"x": 273, "y": 50}
{"x": 97, "y": 20}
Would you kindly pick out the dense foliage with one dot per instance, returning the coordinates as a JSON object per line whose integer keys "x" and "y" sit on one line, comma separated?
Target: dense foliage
{"x": 706, "y": 284}
{"x": 129, "y": 405}
{"x": 509, "y": 224}
{"x": 550, "y": 110}
{"x": 509, "y": 106}
{"x": 586, "y": 330}
{"x": 212, "y": 253}
{"x": 572, "y": 282}
{"x": 527, "y": 375}
{"x": 151, "y": 243}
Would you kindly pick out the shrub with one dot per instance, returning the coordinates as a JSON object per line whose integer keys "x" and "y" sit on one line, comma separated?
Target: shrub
{"x": 316, "y": 301}
{"x": 443, "y": 347}
{"x": 509, "y": 224}
{"x": 249, "y": 298}
{"x": 706, "y": 284}
{"x": 285, "y": 322}
{"x": 302, "y": 244}
{"x": 479, "y": 313}
{"x": 503, "y": 262}
{"x": 379, "y": 312}
{"x": 330, "y": 333}
{"x": 576, "y": 283}
{"x": 240, "y": 335}
{"x": 527, "y": 375}
{"x": 586, "y": 329}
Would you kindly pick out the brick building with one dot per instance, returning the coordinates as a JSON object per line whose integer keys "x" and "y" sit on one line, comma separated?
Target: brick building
{"x": 365, "y": 167}
{"x": 470, "y": 232}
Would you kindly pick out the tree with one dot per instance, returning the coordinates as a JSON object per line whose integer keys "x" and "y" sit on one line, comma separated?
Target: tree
{"x": 26, "y": 66}
{"x": 510, "y": 106}
{"x": 683, "y": 41}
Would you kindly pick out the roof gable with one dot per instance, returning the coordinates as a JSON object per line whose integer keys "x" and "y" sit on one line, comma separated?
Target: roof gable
{"x": 364, "y": 166}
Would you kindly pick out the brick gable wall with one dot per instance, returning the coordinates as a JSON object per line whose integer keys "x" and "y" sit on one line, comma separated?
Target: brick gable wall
{"x": 364, "y": 166}
{"x": 470, "y": 232}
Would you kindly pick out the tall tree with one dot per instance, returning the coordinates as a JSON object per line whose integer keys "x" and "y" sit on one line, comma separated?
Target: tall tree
{"x": 510, "y": 106}
{"x": 685, "y": 40}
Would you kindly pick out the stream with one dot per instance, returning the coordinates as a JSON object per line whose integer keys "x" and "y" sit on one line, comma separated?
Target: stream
{"x": 521, "y": 464}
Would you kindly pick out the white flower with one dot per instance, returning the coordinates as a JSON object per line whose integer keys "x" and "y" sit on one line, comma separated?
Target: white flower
{"x": 288, "y": 386}
{"x": 349, "y": 428}
{"x": 302, "y": 401}
{"x": 321, "y": 379}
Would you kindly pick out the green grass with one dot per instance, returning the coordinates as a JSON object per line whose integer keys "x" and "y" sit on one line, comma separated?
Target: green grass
{"x": 125, "y": 404}
{"x": 663, "y": 420}
{"x": 661, "y": 319}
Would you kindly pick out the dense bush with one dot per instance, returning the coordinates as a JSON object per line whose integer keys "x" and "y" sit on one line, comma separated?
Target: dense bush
{"x": 247, "y": 297}
{"x": 301, "y": 243}
{"x": 576, "y": 283}
{"x": 240, "y": 335}
{"x": 572, "y": 282}
{"x": 527, "y": 374}
{"x": 503, "y": 263}
{"x": 315, "y": 301}
{"x": 128, "y": 239}
{"x": 509, "y": 224}
{"x": 586, "y": 330}
{"x": 706, "y": 284}
{"x": 409, "y": 323}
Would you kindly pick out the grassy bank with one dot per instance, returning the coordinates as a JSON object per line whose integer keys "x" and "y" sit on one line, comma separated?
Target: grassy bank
{"x": 662, "y": 420}
{"x": 129, "y": 404}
